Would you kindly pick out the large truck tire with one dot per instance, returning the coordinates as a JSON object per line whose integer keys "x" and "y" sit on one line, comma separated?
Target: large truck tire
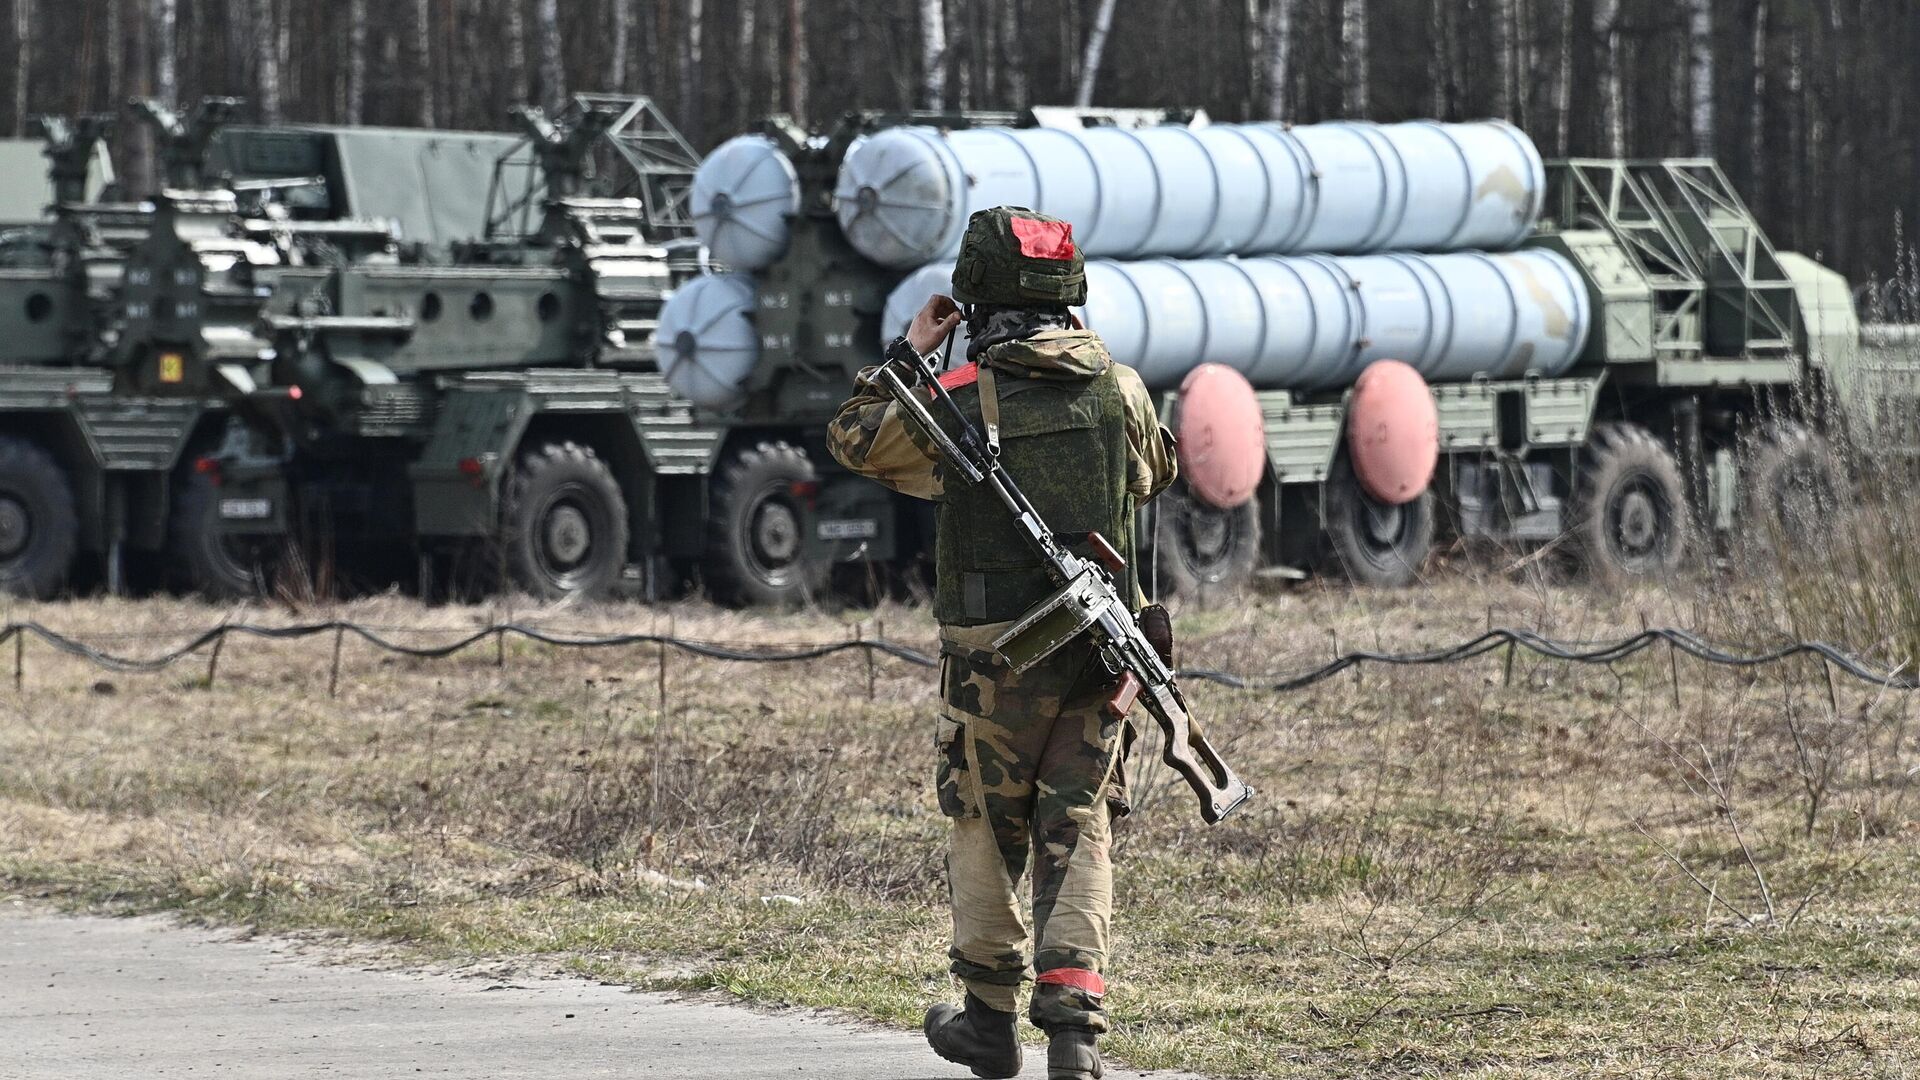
{"x": 203, "y": 559}
{"x": 757, "y": 550}
{"x": 39, "y": 526}
{"x": 1198, "y": 552}
{"x": 1791, "y": 489}
{"x": 1630, "y": 516}
{"x": 564, "y": 524}
{"x": 1371, "y": 542}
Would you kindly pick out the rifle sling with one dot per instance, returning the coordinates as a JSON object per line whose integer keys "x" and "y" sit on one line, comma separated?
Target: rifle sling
{"x": 990, "y": 408}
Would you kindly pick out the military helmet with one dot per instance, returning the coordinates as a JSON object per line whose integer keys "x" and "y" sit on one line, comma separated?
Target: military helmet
{"x": 1013, "y": 257}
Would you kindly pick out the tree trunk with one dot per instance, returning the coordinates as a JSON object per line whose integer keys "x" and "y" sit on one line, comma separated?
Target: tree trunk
{"x": 620, "y": 21}
{"x": 1353, "y": 43}
{"x": 553, "y": 72}
{"x": 1700, "y": 75}
{"x": 135, "y": 18}
{"x": 1279, "y": 56}
{"x": 422, "y": 80}
{"x": 516, "y": 50}
{"x": 22, "y": 61}
{"x": 1503, "y": 46}
{"x": 1606, "y": 19}
{"x": 797, "y": 67}
{"x": 1756, "y": 139}
{"x": 933, "y": 54}
{"x": 240, "y": 43}
{"x": 1013, "y": 55}
{"x": 266, "y": 59}
{"x": 165, "y": 20}
{"x": 356, "y": 62}
{"x": 690, "y": 63}
{"x": 1563, "y": 84}
{"x": 1096, "y": 45}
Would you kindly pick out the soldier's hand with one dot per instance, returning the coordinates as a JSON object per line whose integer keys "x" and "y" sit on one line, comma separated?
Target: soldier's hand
{"x": 932, "y": 325}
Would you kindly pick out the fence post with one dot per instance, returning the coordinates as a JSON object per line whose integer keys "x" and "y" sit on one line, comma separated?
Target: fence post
{"x": 663, "y": 668}
{"x": 19, "y": 658}
{"x": 213, "y": 658}
{"x": 333, "y": 677}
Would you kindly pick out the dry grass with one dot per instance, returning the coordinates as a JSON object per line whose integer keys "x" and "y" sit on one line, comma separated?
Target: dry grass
{"x": 1636, "y": 870}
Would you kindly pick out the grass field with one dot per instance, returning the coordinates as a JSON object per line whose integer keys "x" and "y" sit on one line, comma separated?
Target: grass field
{"x": 1495, "y": 869}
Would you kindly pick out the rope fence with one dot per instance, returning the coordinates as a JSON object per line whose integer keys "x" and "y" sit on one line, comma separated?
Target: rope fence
{"x": 213, "y": 639}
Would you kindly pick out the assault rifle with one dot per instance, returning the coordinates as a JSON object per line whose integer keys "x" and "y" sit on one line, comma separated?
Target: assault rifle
{"x": 1087, "y": 601}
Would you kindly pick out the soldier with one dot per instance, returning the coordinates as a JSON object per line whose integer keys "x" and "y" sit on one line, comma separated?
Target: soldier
{"x": 1029, "y": 763}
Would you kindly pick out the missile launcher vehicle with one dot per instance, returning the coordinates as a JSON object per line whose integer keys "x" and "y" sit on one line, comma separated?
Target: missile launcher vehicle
{"x": 498, "y": 412}
{"x": 117, "y": 310}
{"x": 1362, "y": 334}
{"x": 1596, "y": 351}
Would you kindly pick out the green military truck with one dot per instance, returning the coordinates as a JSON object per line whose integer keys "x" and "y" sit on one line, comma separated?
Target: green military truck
{"x": 495, "y": 413}
{"x": 116, "y": 310}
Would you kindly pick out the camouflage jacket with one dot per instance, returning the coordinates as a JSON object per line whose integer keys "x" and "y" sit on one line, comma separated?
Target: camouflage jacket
{"x": 870, "y": 437}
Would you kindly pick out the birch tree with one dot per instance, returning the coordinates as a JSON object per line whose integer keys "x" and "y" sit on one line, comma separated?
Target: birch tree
{"x": 1563, "y": 83}
{"x": 1013, "y": 54}
{"x": 1503, "y": 68}
{"x": 1606, "y": 28}
{"x": 691, "y": 45}
{"x": 797, "y": 73}
{"x": 164, "y": 17}
{"x": 116, "y": 49}
{"x": 1756, "y": 140}
{"x": 266, "y": 62}
{"x": 1353, "y": 44}
{"x": 1096, "y": 46}
{"x": 422, "y": 81}
{"x": 22, "y": 61}
{"x": 1700, "y": 74}
{"x": 618, "y": 29}
{"x": 516, "y": 52}
{"x": 553, "y": 74}
{"x": 1279, "y": 35}
{"x": 933, "y": 54}
{"x": 356, "y": 61}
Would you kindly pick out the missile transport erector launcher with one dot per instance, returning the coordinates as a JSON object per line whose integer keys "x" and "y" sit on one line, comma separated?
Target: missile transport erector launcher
{"x": 1627, "y": 363}
{"x": 573, "y": 396}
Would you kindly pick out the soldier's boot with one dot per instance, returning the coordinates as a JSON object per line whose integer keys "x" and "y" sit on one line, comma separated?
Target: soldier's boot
{"x": 1071, "y": 1055}
{"x": 980, "y": 1037}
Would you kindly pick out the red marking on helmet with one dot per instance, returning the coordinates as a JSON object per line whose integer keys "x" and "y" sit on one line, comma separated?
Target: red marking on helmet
{"x": 1078, "y": 978}
{"x": 1044, "y": 239}
{"x": 964, "y": 375}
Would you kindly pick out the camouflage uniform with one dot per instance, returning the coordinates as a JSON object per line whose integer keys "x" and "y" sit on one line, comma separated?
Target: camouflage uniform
{"x": 1027, "y": 764}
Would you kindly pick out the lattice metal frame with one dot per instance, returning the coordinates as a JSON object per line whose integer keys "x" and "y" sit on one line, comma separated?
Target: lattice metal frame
{"x": 1695, "y": 242}
{"x": 642, "y": 156}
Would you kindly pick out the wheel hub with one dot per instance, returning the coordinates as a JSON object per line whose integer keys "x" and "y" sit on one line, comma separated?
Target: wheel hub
{"x": 1208, "y": 536}
{"x": 776, "y": 533}
{"x": 16, "y": 527}
{"x": 568, "y": 535}
{"x": 1382, "y": 524}
{"x": 1637, "y": 522}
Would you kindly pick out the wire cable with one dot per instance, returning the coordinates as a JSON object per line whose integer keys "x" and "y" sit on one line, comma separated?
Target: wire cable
{"x": 1581, "y": 652}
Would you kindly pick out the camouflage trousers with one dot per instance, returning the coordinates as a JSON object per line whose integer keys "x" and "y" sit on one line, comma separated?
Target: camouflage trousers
{"x": 1029, "y": 765}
